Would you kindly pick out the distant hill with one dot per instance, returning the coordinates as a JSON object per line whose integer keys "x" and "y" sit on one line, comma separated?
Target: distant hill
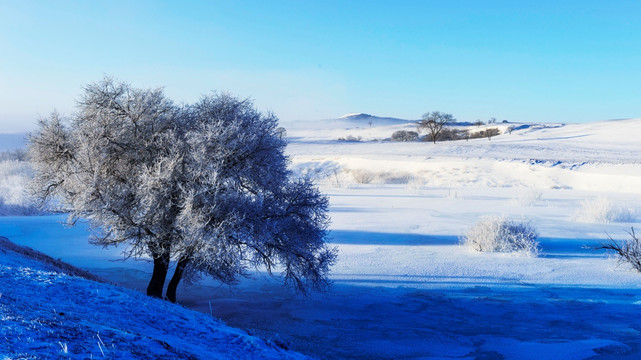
{"x": 365, "y": 119}
{"x": 348, "y": 121}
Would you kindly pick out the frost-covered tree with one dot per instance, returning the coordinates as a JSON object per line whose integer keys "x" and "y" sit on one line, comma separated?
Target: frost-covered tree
{"x": 205, "y": 185}
{"x": 434, "y": 122}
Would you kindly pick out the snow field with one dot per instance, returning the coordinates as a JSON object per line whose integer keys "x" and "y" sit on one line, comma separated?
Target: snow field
{"x": 404, "y": 288}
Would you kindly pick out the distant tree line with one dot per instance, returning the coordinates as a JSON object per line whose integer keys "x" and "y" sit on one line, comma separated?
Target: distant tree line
{"x": 437, "y": 126}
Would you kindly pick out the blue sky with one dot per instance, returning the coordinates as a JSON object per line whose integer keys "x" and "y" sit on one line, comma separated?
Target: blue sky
{"x": 529, "y": 61}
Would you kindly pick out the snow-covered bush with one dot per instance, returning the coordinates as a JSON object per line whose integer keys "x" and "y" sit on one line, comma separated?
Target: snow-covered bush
{"x": 498, "y": 234}
{"x": 393, "y": 177}
{"x": 417, "y": 182}
{"x": 14, "y": 177}
{"x": 403, "y": 135}
{"x": 350, "y": 138}
{"x": 629, "y": 251}
{"x": 601, "y": 210}
{"x": 487, "y": 133}
{"x": 362, "y": 176}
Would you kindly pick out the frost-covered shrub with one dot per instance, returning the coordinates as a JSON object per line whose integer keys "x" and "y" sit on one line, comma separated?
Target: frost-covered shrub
{"x": 338, "y": 178}
{"x": 362, "y": 176}
{"x": 350, "y": 138}
{"x": 601, "y": 210}
{"x": 14, "y": 177}
{"x": 392, "y": 177}
{"x": 453, "y": 194}
{"x": 629, "y": 251}
{"x": 452, "y": 134}
{"x": 498, "y": 234}
{"x": 206, "y": 185}
{"x": 403, "y": 135}
{"x": 487, "y": 133}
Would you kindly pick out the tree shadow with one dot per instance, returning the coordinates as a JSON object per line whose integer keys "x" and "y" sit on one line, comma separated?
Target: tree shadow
{"x": 353, "y": 237}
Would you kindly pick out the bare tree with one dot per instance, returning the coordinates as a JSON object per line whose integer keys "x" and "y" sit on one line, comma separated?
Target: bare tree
{"x": 434, "y": 122}
{"x": 628, "y": 250}
{"x": 204, "y": 185}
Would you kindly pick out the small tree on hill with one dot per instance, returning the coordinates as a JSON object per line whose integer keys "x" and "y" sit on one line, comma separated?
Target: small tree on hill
{"x": 434, "y": 122}
{"x": 204, "y": 185}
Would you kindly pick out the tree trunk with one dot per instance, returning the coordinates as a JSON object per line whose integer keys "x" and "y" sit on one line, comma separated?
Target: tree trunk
{"x": 157, "y": 282}
{"x": 178, "y": 274}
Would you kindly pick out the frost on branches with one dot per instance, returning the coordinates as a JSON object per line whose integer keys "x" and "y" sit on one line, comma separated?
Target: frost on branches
{"x": 205, "y": 185}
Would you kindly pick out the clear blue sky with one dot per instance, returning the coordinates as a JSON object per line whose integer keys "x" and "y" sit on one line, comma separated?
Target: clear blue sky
{"x": 552, "y": 61}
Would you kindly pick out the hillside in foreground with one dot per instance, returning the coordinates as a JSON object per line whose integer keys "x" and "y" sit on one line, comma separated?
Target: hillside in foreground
{"x": 52, "y": 310}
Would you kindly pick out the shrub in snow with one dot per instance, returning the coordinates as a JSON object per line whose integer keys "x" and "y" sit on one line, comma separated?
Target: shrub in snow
{"x": 487, "y": 133}
{"x": 362, "y": 176}
{"x": 389, "y": 177}
{"x": 601, "y": 210}
{"x": 629, "y": 251}
{"x": 15, "y": 175}
{"x": 206, "y": 185}
{"x": 498, "y": 234}
{"x": 281, "y": 132}
{"x": 350, "y": 138}
{"x": 453, "y": 134}
{"x": 417, "y": 182}
{"x": 403, "y": 135}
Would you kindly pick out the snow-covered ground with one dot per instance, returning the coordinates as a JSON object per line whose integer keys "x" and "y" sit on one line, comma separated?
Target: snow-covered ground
{"x": 403, "y": 287}
{"x": 49, "y": 310}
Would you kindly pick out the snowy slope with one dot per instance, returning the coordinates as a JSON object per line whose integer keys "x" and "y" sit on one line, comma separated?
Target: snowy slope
{"x": 49, "y": 309}
{"x": 601, "y": 156}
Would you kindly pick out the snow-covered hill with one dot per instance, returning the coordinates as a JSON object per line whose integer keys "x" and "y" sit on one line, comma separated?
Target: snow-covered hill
{"x": 49, "y": 309}
{"x": 365, "y": 126}
{"x": 599, "y": 156}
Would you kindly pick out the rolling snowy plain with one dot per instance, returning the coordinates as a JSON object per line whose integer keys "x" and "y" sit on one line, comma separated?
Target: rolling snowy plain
{"x": 403, "y": 286}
